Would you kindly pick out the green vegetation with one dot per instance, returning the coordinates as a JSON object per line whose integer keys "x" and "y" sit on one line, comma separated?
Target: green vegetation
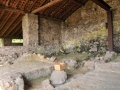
{"x": 78, "y": 56}
{"x": 17, "y": 40}
{"x": 0, "y": 42}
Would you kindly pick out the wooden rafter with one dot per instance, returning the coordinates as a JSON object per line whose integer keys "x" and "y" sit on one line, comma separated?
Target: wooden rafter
{"x": 12, "y": 9}
{"x": 68, "y": 10}
{"x": 9, "y": 25}
{"x": 6, "y": 19}
{"x": 30, "y": 9}
{"x": 51, "y": 3}
{"x": 36, "y": 4}
{"x": 58, "y": 8}
{"x": 7, "y": 3}
{"x": 77, "y": 3}
{"x": 16, "y": 3}
{"x": 16, "y": 28}
{"x": 69, "y": 13}
{"x": 62, "y": 8}
{"x": 102, "y": 4}
{"x": 1, "y": 15}
{"x": 19, "y": 32}
{"x": 15, "y": 24}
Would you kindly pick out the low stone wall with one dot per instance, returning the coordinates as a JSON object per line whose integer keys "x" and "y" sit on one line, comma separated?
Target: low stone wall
{"x": 10, "y": 53}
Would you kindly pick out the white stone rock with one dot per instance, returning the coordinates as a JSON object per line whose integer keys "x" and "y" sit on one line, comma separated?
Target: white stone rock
{"x": 58, "y": 77}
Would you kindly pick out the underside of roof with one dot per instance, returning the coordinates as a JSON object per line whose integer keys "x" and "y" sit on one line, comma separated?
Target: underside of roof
{"x": 12, "y": 11}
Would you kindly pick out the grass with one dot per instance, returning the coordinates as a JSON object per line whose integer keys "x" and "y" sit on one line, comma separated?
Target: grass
{"x": 76, "y": 56}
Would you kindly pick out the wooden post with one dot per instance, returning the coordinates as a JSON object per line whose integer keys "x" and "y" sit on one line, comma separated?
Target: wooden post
{"x": 110, "y": 30}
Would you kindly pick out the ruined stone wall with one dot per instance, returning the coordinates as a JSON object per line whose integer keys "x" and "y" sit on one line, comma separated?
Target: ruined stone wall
{"x": 84, "y": 28}
{"x": 49, "y": 33}
{"x": 10, "y": 53}
{"x": 86, "y": 24}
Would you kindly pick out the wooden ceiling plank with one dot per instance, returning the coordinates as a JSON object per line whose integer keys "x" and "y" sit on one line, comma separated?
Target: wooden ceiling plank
{"x": 30, "y": 9}
{"x": 25, "y": 3}
{"x": 102, "y": 4}
{"x": 51, "y": 3}
{"x": 62, "y": 8}
{"x": 42, "y": 2}
{"x": 12, "y": 9}
{"x": 9, "y": 25}
{"x": 77, "y": 2}
{"x": 7, "y": 3}
{"x": 72, "y": 11}
{"x": 5, "y": 21}
{"x": 1, "y": 15}
{"x": 16, "y": 28}
{"x": 17, "y": 21}
{"x": 17, "y": 3}
{"x": 59, "y": 7}
{"x": 67, "y": 10}
{"x": 18, "y": 32}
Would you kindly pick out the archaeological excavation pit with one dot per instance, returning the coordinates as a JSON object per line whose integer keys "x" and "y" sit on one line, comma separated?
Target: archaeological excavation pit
{"x": 59, "y": 44}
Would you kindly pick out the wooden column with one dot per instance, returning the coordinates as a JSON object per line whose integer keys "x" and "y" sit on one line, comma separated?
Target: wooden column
{"x": 110, "y": 31}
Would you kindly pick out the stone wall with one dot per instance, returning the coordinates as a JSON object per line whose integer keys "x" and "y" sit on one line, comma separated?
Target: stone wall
{"x": 30, "y": 30}
{"x": 86, "y": 24}
{"x": 116, "y": 22}
{"x": 85, "y": 27}
{"x": 50, "y": 33}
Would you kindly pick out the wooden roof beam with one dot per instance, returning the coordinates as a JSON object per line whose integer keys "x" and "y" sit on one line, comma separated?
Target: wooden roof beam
{"x": 7, "y": 4}
{"x": 15, "y": 24}
{"x": 5, "y": 20}
{"x": 12, "y": 9}
{"x": 51, "y": 3}
{"x": 102, "y": 4}
{"x": 9, "y": 25}
{"x": 16, "y": 29}
{"x": 78, "y": 2}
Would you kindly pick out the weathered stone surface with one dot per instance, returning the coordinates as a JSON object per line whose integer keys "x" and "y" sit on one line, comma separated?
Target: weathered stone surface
{"x": 89, "y": 64}
{"x": 52, "y": 59}
{"x": 58, "y": 77}
{"x": 109, "y": 56}
{"x": 70, "y": 63}
{"x": 93, "y": 49}
{"x": 99, "y": 79}
{"x": 45, "y": 85}
{"x": 30, "y": 30}
{"x": 11, "y": 81}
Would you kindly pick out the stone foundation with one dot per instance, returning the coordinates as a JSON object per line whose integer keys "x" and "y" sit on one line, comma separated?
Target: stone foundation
{"x": 82, "y": 30}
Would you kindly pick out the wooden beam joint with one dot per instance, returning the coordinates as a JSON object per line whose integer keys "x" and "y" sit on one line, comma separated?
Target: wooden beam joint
{"x": 102, "y": 4}
{"x": 51, "y": 3}
{"x": 12, "y": 9}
